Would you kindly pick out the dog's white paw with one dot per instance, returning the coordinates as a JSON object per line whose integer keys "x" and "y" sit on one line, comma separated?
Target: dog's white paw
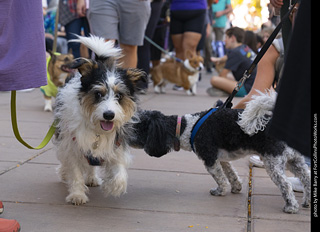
{"x": 288, "y": 208}
{"x": 93, "y": 181}
{"x": 77, "y": 198}
{"x": 115, "y": 187}
{"x": 157, "y": 89}
{"x": 218, "y": 191}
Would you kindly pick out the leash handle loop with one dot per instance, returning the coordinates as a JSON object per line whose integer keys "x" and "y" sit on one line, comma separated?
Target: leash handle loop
{"x": 16, "y": 130}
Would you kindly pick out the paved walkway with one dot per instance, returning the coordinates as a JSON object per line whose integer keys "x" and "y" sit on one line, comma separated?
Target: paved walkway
{"x": 168, "y": 194}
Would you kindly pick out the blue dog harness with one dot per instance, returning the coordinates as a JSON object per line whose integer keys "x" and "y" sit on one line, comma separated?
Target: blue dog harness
{"x": 198, "y": 124}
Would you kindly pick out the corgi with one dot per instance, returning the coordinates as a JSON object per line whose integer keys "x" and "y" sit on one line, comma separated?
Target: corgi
{"x": 184, "y": 74}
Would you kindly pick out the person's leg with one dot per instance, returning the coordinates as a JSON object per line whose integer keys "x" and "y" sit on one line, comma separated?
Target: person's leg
{"x": 144, "y": 50}
{"x": 223, "y": 83}
{"x": 176, "y": 33}
{"x": 177, "y": 40}
{"x": 129, "y": 59}
{"x": 131, "y": 32}
{"x": 190, "y": 41}
{"x": 72, "y": 28}
{"x": 194, "y": 26}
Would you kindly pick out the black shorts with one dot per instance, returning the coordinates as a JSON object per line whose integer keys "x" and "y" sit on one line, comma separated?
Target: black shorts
{"x": 187, "y": 20}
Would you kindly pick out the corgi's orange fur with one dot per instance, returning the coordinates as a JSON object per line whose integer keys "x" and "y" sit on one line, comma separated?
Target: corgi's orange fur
{"x": 184, "y": 74}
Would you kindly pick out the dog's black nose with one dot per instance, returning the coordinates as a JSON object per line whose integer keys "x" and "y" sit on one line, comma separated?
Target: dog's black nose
{"x": 108, "y": 115}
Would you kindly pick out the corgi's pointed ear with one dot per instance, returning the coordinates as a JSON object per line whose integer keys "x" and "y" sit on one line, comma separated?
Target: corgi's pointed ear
{"x": 135, "y": 75}
{"x": 189, "y": 54}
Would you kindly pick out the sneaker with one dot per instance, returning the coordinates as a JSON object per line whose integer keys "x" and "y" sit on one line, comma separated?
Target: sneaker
{"x": 142, "y": 91}
{"x": 7, "y": 225}
{"x": 296, "y": 184}
{"x": 26, "y": 90}
{"x": 256, "y": 161}
{"x": 177, "y": 88}
{"x": 1, "y": 207}
{"x": 214, "y": 92}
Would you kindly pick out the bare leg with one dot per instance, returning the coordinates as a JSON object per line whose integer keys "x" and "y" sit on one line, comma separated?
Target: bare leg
{"x": 177, "y": 43}
{"x": 130, "y": 58}
{"x": 190, "y": 42}
{"x": 223, "y": 83}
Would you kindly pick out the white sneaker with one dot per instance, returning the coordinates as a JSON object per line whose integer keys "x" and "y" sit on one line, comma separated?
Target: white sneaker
{"x": 256, "y": 161}
{"x": 296, "y": 184}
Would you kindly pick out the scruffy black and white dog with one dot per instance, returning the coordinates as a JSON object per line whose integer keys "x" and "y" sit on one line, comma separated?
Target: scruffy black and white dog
{"x": 95, "y": 111}
{"x": 226, "y": 135}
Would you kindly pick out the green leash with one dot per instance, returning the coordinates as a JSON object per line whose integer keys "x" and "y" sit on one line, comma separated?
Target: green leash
{"x": 16, "y": 130}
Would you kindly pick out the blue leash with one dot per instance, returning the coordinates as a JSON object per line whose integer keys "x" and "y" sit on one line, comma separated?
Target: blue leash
{"x": 161, "y": 49}
{"x": 198, "y": 124}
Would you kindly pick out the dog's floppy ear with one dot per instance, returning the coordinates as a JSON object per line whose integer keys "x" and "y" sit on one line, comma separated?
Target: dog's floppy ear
{"x": 156, "y": 144}
{"x": 136, "y": 75}
{"x": 53, "y": 56}
{"x": 83, "y": 65}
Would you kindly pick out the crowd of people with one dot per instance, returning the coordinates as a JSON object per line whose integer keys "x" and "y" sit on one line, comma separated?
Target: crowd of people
{"x": 177, "y": 26}
{"x": 199, "y": 26}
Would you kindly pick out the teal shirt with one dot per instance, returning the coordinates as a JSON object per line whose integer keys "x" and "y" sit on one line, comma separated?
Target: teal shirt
{"x": 221, "y": 5}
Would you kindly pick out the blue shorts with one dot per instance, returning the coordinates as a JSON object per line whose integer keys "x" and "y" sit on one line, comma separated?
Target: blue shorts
{"x": 242, "y": 92}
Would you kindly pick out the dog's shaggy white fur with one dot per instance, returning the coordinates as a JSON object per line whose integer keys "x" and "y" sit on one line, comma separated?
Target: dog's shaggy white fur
{"x": 95, "y": 111}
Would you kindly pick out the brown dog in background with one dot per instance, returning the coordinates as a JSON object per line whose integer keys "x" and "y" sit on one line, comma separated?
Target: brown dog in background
{"x": 184, "y": 74}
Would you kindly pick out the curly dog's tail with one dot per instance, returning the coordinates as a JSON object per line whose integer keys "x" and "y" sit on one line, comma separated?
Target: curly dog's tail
{"x": 257, "y": 113}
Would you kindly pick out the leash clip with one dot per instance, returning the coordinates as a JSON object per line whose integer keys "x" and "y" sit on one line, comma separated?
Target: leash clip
{"x": 240, "y": 83}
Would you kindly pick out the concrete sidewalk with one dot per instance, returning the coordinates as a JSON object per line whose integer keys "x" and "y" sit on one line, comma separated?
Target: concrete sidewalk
{"x": 168, "y": 194}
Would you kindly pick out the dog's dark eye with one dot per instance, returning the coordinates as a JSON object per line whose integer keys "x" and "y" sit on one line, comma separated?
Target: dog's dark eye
{"x": 118, "y": 96}
{"x": 98, "y": 95}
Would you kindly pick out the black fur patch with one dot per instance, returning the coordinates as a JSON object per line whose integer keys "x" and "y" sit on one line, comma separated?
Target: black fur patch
{"x": 220, "y": 131}
{"x": 155, "y": 132}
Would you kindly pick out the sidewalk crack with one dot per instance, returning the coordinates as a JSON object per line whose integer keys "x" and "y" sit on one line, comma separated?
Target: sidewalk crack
{"x": 249, "y": 199}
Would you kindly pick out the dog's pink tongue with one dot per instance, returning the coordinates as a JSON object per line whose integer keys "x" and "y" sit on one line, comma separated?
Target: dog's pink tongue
{"x": 106, "y": 125}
